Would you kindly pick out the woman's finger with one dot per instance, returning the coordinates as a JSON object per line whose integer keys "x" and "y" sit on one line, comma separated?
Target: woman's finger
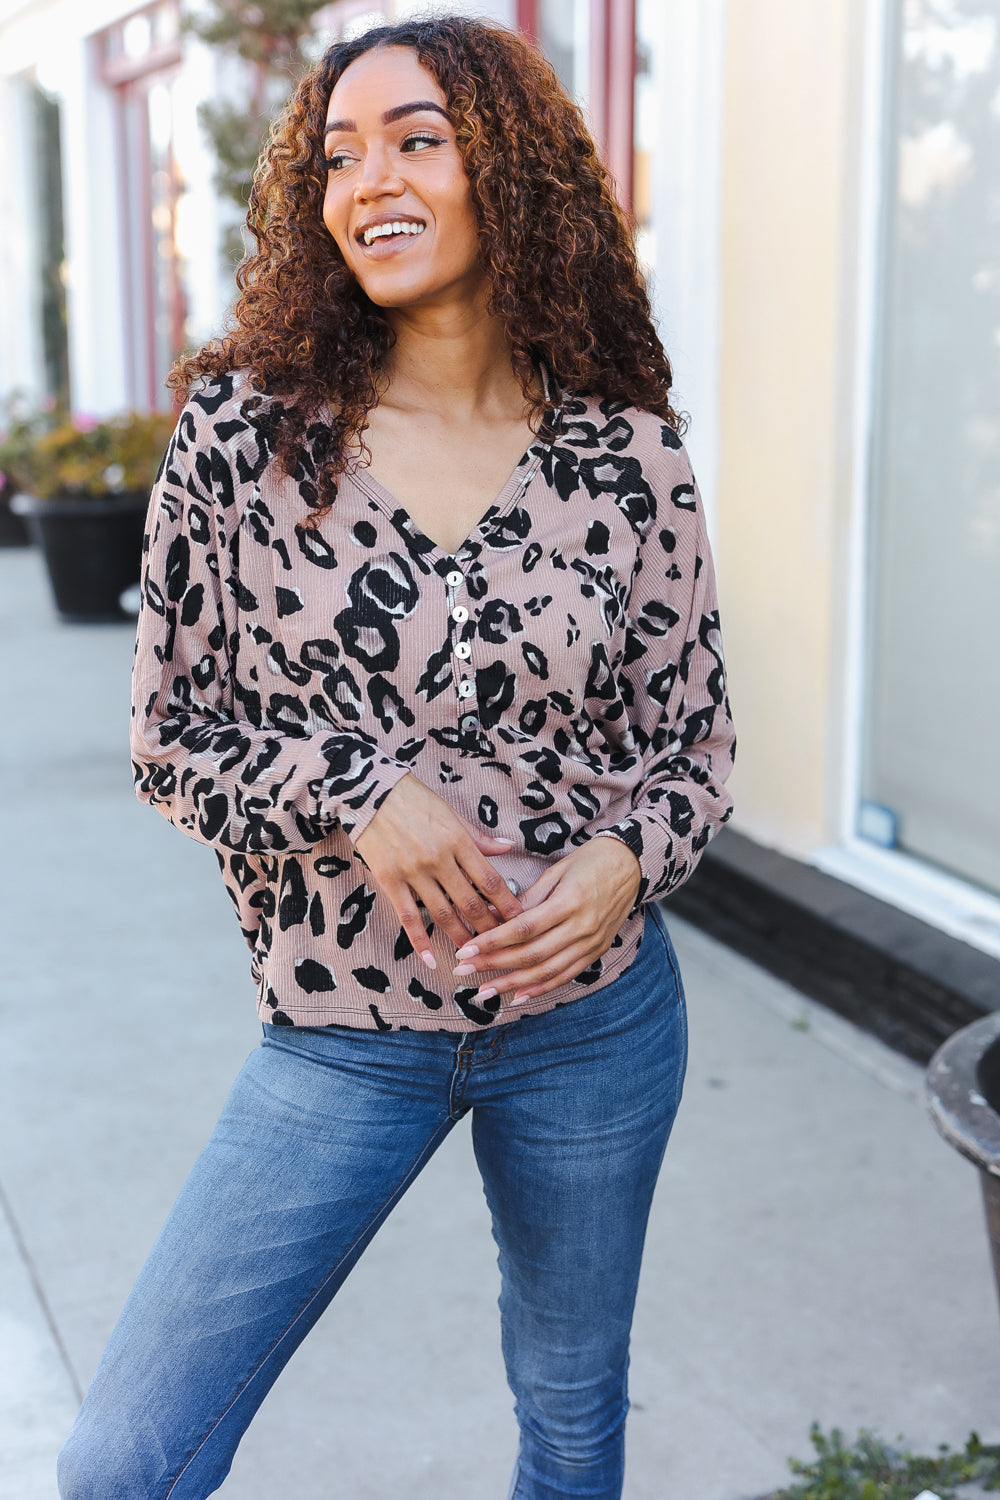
{"x": 508, "y": 942}
{"x": 412, "y": 923}
{"x": 489, "y": 887}
{"x": 528, "y": 981}
{"x": 447, "y": 898}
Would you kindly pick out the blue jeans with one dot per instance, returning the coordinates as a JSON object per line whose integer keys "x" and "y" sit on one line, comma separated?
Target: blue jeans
{"x": 322, "y": 1133}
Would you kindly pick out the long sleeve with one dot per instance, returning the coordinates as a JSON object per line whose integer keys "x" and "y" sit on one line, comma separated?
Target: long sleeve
{"x": 674, "y": 687}
{"x": 206, "y": 751}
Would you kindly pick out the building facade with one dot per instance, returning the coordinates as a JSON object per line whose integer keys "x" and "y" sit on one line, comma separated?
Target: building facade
{"x": 816, "y": 191}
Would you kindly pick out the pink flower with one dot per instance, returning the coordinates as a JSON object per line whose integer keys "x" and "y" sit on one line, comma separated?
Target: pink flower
{"x": 84, "y": 422}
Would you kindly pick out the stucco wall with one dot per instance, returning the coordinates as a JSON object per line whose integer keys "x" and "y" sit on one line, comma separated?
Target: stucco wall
{"x": 794, "y": 85}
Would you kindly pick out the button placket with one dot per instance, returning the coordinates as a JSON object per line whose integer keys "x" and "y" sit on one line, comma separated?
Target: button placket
{"x": 459, "y": 614}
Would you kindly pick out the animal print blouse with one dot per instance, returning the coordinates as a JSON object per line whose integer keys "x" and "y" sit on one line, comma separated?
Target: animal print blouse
{"x": 560, "y": 674}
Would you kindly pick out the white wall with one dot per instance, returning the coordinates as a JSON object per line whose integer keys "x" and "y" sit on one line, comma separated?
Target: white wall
{"x": 97, "y": 353}
{"x": 21, "y": 362}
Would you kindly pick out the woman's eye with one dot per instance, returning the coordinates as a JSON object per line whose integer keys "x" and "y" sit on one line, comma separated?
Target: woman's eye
{"x": 414, "y": 142}
{"x": 339, "y": 159}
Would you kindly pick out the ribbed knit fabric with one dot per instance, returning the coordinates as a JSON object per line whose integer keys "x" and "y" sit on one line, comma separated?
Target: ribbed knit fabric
{"x": 559, "y": 675}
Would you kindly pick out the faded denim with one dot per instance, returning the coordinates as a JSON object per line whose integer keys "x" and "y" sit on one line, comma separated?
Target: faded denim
{"x": 321, "y": 1135}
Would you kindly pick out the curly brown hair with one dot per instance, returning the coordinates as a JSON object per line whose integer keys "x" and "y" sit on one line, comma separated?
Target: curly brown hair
{"x": 557, "y": 249}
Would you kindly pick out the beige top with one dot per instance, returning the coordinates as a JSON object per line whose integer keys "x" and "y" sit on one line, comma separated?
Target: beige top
{"x": 560, "y": 674}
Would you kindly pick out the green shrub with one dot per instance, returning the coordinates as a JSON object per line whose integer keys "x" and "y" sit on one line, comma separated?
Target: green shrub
{"x": 872, "y": 1470}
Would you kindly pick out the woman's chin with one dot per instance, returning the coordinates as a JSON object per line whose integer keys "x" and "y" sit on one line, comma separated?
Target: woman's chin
{"x": 401, "y": 293}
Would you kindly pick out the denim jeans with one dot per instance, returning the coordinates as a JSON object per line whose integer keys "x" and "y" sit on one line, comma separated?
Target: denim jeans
{"x": 322, "y": 1133}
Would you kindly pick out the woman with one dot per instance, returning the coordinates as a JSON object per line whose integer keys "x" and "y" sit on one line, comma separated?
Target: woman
{"x": 429, "y": 654}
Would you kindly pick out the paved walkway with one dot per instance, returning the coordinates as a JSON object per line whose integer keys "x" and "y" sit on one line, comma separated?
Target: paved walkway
{"x": 816, "y": 1252}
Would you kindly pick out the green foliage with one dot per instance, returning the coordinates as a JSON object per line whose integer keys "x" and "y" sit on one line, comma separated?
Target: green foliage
{"x": 270, "y": 33}
{"x": 872, "y": 1470}
{"x": 273, "y": 37}
{"x": 50, "y": 453}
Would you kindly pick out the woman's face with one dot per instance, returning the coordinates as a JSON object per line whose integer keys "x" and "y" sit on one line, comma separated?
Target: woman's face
{"x": 394, "y": 167}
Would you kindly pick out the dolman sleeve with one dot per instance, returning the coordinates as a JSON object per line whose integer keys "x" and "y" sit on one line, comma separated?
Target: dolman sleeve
{"x": 198, "y": 756}
{"x": 673, "y": 682}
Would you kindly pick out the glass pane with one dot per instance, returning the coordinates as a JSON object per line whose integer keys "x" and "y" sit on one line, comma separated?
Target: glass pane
{"x": 933, "y": 715}
{"x": 563, "y": 35}
{"x": 51, "y": 252}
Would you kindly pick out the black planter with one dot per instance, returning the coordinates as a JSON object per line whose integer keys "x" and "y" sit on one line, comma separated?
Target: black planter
{"x": 963, "y": 1093}
{"x": 93, "y": 551}
{"x": 13, "y": 530}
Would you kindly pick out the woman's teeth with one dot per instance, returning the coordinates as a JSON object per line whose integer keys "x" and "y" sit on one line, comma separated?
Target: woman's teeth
{"x": 380, "y": 231}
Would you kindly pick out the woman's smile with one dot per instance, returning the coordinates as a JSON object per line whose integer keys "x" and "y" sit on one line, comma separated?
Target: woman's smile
{"x": 382, "y": 237}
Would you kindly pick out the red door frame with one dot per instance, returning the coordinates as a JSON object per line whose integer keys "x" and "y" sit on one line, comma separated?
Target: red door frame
{"x": 612, "y": 83}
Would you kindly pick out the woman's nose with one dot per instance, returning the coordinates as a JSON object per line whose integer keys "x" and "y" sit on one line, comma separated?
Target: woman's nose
{"x": 378, "y": 178}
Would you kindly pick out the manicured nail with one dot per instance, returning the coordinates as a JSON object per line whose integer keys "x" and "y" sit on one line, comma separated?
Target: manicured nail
{"x": 501, "y": 838}
{"x": 429, "y": 958}
{"x": 484, "y": 994}
{"x": 520, "y": 997}
{"x": 464, "y": 969}
{"x": 469, "y": 951}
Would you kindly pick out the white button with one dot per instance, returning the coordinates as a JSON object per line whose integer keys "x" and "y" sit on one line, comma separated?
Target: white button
{"x": 470, "y": 722}
{"x": 466, "y": 689}
{"x": 454, "y": 578}
{"x": 463, "y": 650}
{"x": 460, "y": 613}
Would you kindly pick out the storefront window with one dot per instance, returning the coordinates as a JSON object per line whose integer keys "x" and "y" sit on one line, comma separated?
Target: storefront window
{"x": 564, "y": 37}
{"x": 933, "y": 702}
{"x": 140, "y": 59}
{"x": 592, "y": 46}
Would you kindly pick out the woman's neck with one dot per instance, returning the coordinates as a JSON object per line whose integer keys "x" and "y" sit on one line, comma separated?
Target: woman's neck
{"x": 452, "y": 363}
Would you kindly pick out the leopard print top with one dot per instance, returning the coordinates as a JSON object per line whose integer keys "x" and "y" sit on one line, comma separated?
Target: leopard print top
{"x": 560, "y": 674}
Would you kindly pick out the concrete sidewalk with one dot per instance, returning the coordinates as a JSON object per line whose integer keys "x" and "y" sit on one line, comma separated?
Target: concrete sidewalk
{"x": 816, "y": 1252}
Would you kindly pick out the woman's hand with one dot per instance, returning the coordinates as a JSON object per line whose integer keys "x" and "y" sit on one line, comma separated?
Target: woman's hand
{"x": 571, "y": 915}
{"x": 419, "y": 848}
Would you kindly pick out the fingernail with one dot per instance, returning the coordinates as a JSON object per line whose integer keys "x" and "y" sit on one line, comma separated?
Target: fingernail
{"x": 469, "y": 951}
{"x": 502, "y": 840}
{"x": 464, "y": 969}
{"x": 484, "y": 994}
{"x": 429, "y": 958}
{"x": 520, "y": 998}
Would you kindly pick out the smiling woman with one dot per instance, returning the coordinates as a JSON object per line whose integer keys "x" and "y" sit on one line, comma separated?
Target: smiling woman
{"x": 442, "y": 406}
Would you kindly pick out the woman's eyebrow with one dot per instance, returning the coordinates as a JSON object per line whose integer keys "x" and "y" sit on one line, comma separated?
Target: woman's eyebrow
{"x": 398, "y": 112}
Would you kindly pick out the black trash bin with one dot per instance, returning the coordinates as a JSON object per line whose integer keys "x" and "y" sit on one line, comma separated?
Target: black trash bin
{"x": 963, "y": 1094}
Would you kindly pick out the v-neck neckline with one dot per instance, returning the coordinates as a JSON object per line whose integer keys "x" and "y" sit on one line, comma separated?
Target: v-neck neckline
{"x": 513, "y": 489}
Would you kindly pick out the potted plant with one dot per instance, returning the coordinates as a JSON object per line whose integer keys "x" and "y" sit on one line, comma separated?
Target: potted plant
{"x": 83, "y": 487}
{"x": 17, "y": 432}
